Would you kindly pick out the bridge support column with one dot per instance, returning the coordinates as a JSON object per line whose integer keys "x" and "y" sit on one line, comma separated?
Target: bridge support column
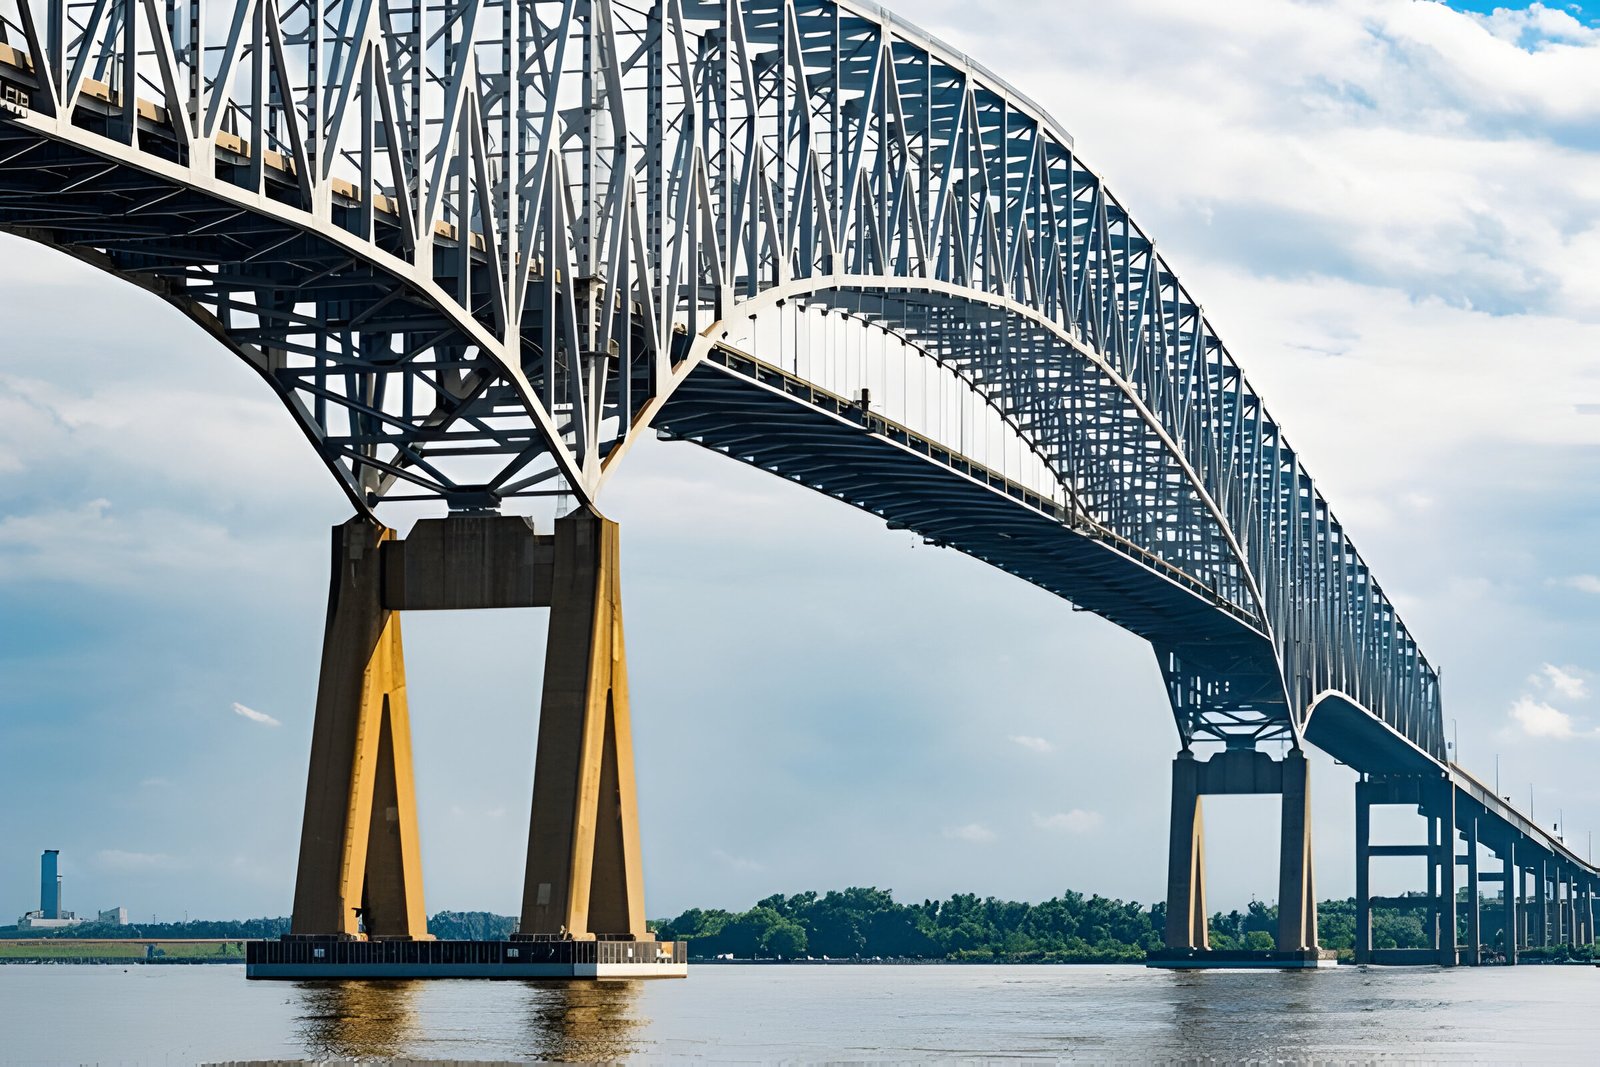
{"x": 1186, "y": 867}
{"x": 1528, "y": 901}
{"x": 1574, "y": 920}
{"x": 1474, "y": 896}
{"x": 1442, "y": 823}
{"x": 1510, "y": 889}
{"x": 584, "y": 877}
{"x": 1541, "y": 893}
{"x": 1239, "y": 771}
{"x": 1558, "y": 920}
{"x": 1569, "y": 911}
{"x": 1297, "y": 901}
{"x": 1432, "y": 798}
{"x": 1363, "y": 945}
{"x": 359, "y": 851}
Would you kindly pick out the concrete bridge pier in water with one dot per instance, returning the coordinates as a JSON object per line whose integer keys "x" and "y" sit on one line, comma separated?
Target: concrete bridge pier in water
{"x": 593, "y": 220}
{"x": 1239, "y": 771}
{"x": 358, "y": 909}
{"x": 1545, "y": 895}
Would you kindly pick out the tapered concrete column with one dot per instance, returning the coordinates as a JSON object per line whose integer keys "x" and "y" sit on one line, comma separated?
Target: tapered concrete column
{"x": 1474, "y": 897}
{"x": 1297, "y": 902}
{"x": 1509, "y": 889}
{"x": 584, "y": 877}
{"x": 1186, "y": 879}
{"x": 1363, "y": 945}
{"x": 359, "y": 851}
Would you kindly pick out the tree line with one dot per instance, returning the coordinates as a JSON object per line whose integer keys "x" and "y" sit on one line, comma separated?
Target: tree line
{"x": 868, "y": 923}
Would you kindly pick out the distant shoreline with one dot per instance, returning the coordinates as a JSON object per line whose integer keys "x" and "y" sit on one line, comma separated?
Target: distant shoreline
{"x": 107, "y": 950}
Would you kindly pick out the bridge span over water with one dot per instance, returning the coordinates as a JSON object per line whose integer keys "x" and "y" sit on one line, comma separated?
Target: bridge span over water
{"x": 478, "y": 247}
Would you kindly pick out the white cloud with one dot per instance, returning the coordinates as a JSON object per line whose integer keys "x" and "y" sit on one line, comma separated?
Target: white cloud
{"x": 738, "y": 863}
{"x": 255, "y": 716}
{"x": 192, "y": 437}
{"x": 1565, "y": 683}
{"x": 1037, "y": 744}
{"x": 1588, "y": 583}
{"x": 117, "y": 859}
{"x": 1538, "y": 719}
{"x": 96, "y": 544}
{"x": 1076, "y": 821}
{"x": 974, "y": 832}
{"x": 1380, "y": 201}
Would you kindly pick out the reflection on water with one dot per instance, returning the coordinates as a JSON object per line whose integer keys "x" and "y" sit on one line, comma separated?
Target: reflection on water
{"x": 586, "y": 1021}
{"x": 564, "y": 1021}
{"x": 357, "y": 1020}
{"x": 820, "y": 1013}
{"x": 1275, "y": 1011}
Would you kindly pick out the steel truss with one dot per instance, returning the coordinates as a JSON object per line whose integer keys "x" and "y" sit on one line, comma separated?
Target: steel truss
{"x": 478, "y": 246}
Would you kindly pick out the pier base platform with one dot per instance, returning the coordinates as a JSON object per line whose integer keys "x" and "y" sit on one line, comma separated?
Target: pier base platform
{"x": 305, "y": 959}
{"x": 1232, "y": 959}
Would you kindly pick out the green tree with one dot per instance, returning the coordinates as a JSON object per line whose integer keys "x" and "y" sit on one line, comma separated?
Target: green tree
{"x": 785, "y": 940}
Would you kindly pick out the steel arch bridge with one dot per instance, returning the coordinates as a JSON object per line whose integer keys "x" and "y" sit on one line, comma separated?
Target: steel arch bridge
{"x": 479, "y": 246}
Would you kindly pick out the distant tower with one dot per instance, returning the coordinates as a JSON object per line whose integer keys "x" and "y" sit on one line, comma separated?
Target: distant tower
{"x": 49, "y": 885}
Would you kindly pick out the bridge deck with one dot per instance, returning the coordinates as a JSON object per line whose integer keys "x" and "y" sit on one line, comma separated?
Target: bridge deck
{"x": 763, "y": 416}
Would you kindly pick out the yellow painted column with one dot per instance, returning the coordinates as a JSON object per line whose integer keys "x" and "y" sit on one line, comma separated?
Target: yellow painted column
{"x": 359, "y": 851}
{"x": 584, "y": 875}
{"x": 1186, "y": 851}
{"x": 1297, "y": 900}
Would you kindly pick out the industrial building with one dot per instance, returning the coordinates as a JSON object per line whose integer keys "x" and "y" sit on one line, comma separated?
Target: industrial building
{"x": 50, "y": 915}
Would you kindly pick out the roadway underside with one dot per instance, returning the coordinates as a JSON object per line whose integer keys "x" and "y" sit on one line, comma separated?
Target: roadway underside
{"x": 764, "y": 417}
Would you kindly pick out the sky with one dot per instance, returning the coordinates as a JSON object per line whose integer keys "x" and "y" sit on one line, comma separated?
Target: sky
{"x": 1392, "y": 212}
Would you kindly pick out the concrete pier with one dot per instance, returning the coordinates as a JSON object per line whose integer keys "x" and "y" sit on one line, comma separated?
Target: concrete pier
{"x": 1239, "y": 772}
{"x": 360, "y": 860}
{"x": 1433, "y": 798}
{"x": 583, "y": 875}
{"x": 359, "y": 878}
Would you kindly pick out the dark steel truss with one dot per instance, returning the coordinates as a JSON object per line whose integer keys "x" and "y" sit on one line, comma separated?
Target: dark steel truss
{"x": 477, "y": 246}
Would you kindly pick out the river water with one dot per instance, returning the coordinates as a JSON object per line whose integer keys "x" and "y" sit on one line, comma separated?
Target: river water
{"x": 190, "y": 1014}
